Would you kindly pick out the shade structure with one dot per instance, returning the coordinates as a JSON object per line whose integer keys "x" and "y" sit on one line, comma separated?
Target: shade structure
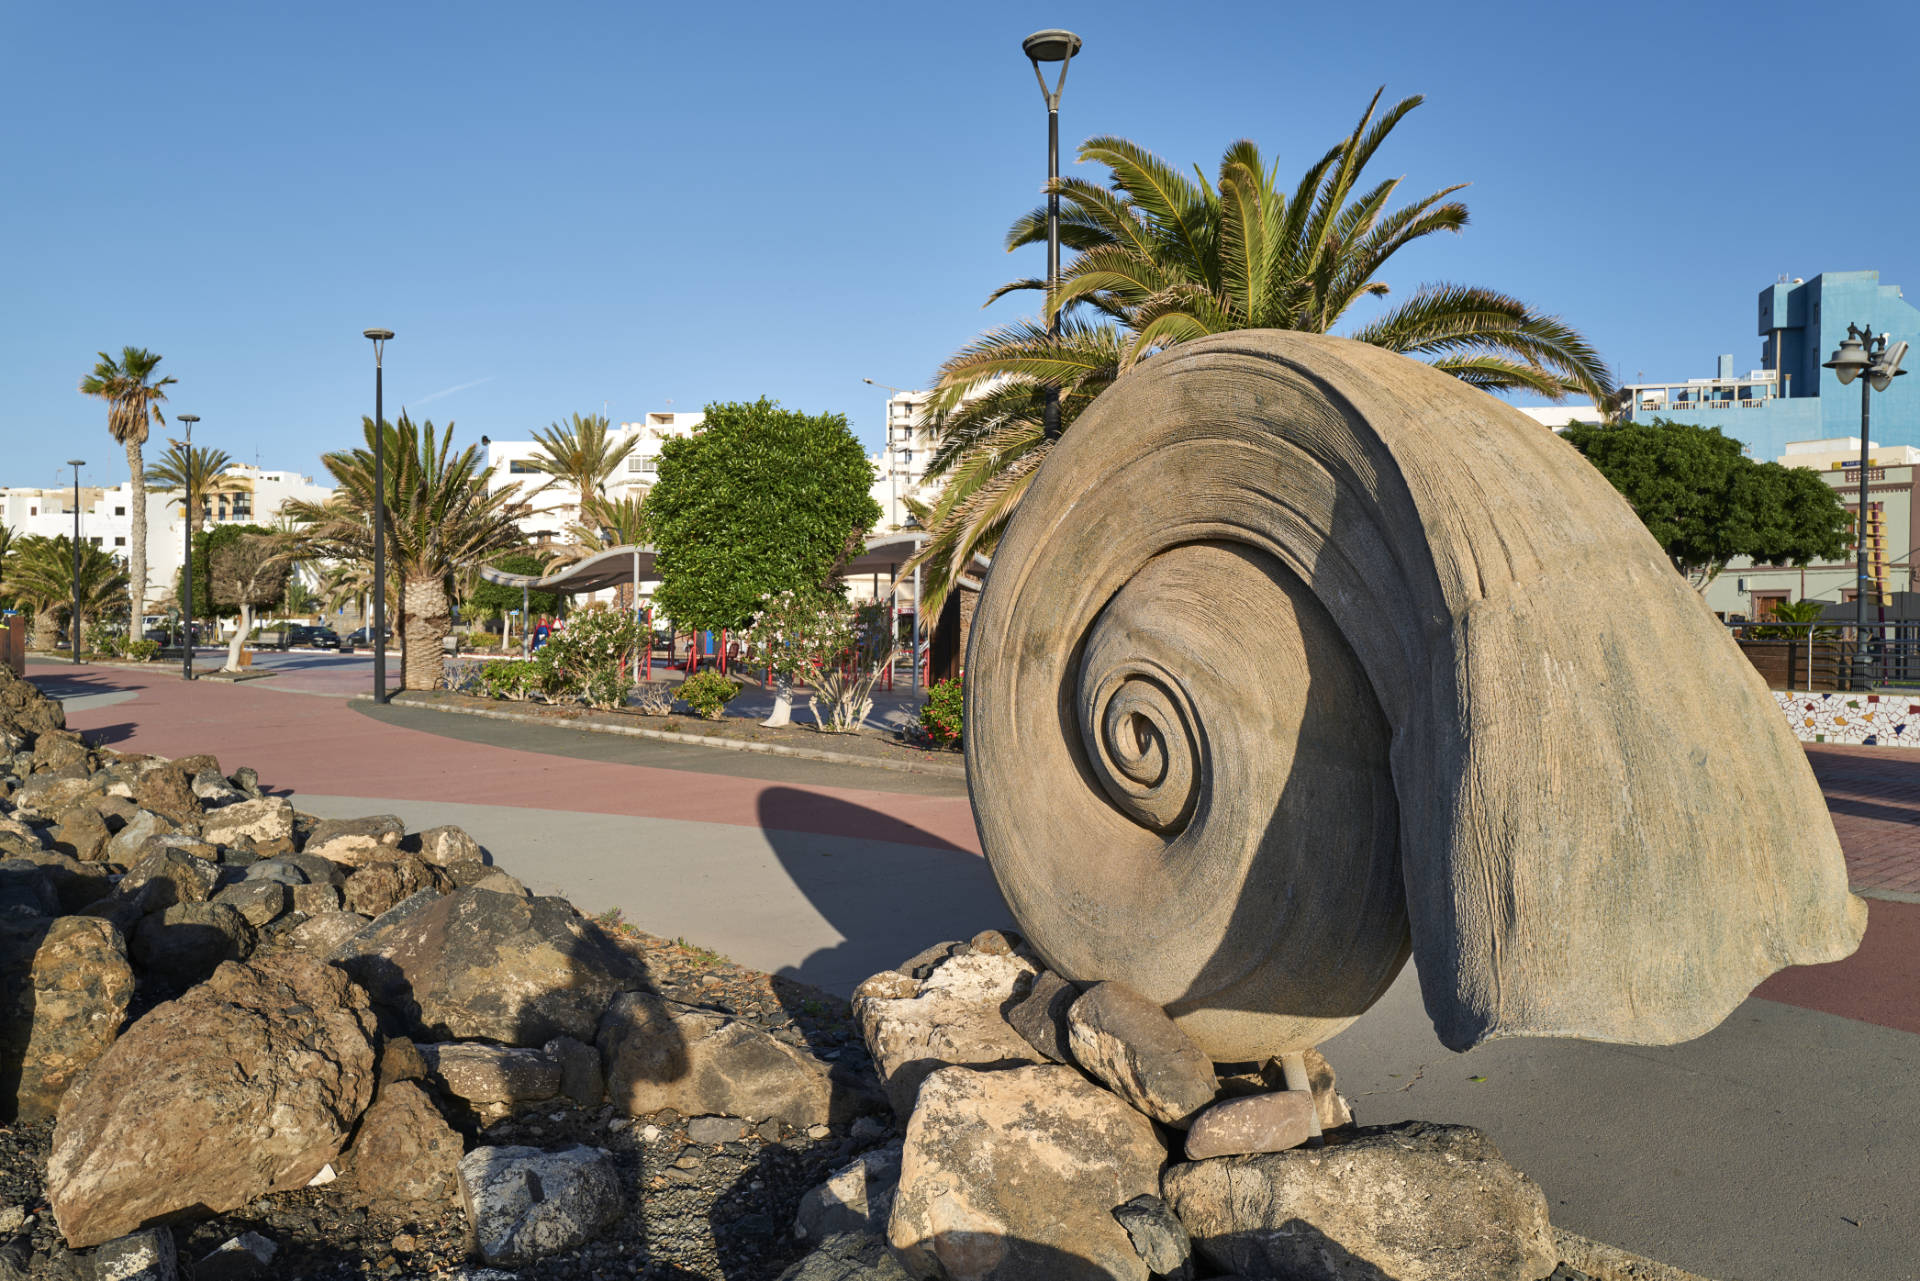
{"x": 615, "y": 567}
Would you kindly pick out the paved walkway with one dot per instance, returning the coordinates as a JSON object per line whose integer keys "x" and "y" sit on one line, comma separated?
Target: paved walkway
{"x": 1779, "y": 1147}
{"x": 1873, "y": 794}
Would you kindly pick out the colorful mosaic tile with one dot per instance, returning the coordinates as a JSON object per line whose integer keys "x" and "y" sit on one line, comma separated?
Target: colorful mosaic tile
{"x": 1836, "y": 718}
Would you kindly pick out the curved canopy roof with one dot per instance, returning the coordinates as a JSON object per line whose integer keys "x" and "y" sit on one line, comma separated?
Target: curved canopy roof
{"x": 618, "y": 566}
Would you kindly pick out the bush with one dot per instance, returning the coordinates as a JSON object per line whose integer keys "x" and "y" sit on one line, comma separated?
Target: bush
{"x": 708, "y": 694}
{"x": 143, "y": 651}
{"x": 484, "y": 640}
{"x": 104, "y": 642}
{"x": 656, "y": 699}
{"x": 594, "y": 656}
{"x": 510, "y": 678}
{"x": 944, "y": 712}
{"x": 464, "y": 677}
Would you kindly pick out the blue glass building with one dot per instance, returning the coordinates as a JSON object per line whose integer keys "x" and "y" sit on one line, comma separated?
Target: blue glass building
{"x": 1791, "y": 397}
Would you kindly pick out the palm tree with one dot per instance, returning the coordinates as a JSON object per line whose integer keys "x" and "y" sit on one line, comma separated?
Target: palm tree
{"x": 441, "y": 518}
{"x": 605, "y": 523}
{"x": 581, "y": 454}
{"x": 1162, "y": 258}
{"x": 40, "y": 574}
{"x": 204, "y": 468}
{"x": 133, "y": 400}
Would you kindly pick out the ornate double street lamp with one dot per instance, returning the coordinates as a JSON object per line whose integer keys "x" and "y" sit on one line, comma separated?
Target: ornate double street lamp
{"x": 379, "y": 337}
{"x": 73, "y": 623}
{"x": 1862, "y": 352}
{"x": 1051, "y": 46}
{"x": 186, "y": 594}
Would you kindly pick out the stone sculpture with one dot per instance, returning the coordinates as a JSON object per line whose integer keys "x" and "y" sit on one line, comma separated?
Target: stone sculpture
{"x": 1300, "y": 654}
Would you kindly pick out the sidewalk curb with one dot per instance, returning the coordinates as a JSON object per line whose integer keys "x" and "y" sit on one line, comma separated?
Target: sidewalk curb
{"x": 1889, "y": 896}
{"x": 691, "y": 740}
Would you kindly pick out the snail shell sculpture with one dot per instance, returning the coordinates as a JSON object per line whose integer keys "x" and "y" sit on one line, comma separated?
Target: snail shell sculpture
{"x": 1300, "y": 654}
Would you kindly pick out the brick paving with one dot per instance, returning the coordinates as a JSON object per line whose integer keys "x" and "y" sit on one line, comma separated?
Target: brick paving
{"x": 1873, "y": 794}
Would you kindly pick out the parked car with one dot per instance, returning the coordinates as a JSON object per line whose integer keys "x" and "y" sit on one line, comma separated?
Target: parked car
{"x": 364, "y": 636}
{"x": 303, "y": 635}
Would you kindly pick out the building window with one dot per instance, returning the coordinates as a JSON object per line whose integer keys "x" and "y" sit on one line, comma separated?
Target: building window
{"x": 119, "y": 511}
{"x": 522, "y": 467}
{"x": 636, "y": 464}
{"x": 95, "y": 540}
{"x": 33, "y": 511}
{"x": 119, "y": 540}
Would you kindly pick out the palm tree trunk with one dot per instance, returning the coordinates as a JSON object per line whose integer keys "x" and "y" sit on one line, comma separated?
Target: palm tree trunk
{"x": 137, "y": 541}
{"x": 46, "y": 627}
{"x": 426, "y": 624}
{"x": 239, "y": 638}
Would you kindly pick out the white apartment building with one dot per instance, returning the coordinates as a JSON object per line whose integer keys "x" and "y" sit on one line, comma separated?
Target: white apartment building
{"x": 252, "y": 495}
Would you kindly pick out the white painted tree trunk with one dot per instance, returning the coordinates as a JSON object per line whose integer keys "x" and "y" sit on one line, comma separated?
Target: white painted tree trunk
{"x": 782, "y": 702}
{"x": 239, "y": 639}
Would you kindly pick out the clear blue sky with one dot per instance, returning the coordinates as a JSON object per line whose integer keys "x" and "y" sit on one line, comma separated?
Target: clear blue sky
{"x": 558, "y": 206}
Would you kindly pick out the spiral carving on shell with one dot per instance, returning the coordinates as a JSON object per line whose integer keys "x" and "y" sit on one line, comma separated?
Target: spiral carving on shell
{"x": 1259, "y": 698}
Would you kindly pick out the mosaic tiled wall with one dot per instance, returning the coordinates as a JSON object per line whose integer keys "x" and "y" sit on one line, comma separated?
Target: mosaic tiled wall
{"x": 1875, "y": 720}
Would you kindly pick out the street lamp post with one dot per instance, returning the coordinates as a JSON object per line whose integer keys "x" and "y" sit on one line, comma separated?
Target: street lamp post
{"x": 1862, "y": 352}
{"x": 1052, "y": 46}
{"x": 186, "y": 595}
{"x": 379, "y": 337}
{"x": 73, "y": 624}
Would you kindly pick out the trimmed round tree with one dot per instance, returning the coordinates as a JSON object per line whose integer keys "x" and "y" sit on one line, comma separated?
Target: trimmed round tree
{"x": 762, "y": 500}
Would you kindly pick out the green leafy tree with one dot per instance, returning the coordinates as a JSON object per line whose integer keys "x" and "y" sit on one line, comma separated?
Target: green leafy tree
{"x": 248, "y": 573}
{"x": 133, "y": 397}
{"x": 442, "y": 521}
{"x": 208, "y": 544}
{"x": 1161, "y": 258}
{"x": 1706, "y": 503}
{"x": 762, "y": 500}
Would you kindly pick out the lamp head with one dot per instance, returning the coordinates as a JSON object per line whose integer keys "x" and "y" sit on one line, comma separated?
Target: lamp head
{"x": 187, "y": 418}
{"x": 378, "y": 335}
{"x": 1886, "y": 366}
{"x": 1850, "y": 360}
{"x": 76, "y": 462}
{"x": 1051, "y": 45}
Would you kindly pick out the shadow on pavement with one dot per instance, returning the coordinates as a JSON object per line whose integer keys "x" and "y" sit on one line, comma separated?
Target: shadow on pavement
{"x": 888, "y": 888}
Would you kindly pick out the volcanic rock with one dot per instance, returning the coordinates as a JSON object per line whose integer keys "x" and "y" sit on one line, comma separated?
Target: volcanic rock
{"x": 524, "y": 1203}
{"x": 64, "y": 989}
{"x": 951, "y": 1017}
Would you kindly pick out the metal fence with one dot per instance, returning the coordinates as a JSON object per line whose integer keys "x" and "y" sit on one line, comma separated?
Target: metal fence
{"x": 1834, "y": 656}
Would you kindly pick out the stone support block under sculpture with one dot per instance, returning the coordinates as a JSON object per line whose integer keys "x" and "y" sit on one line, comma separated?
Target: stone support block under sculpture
{"x": 1299, "y": 654}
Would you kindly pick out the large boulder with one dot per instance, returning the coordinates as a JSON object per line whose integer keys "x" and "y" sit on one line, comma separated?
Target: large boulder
{"x": 1412, "y": 1202}
{"x": 166, "y": 789}
{"x": 356, "y": 842}
{"x": 476, "y": 965}
{"x": 858, "y": 1197}
{"x": 180, "y": 946}
{"x": 377, "y": 887}
{"x": 64, "y": 989}
{"x": 1016, "y": 1173}
{"x": 444, "y": 846}
{"x": 1128, "y": 1043}
{"x": 849, "y": 1256}
{"x": 25, "y": 890}
{"x": 24, "y": 711}
{"x": 658, "y": 1055}
{"x": 249, "y": 1084}
{"x": 75, "y": 884}
{"x": 81, "y": 832}
{"x": 524, "y": 1203}
{"x": 48, "y": 795}
{"x": 951, "y": 1017}
{"x": 173, "y": 875}
{"x": 404, "y": 1152}
{"x": 128, "y": 845}
{"x": 266, "y": 823}
{"x": 482, "y": 1073}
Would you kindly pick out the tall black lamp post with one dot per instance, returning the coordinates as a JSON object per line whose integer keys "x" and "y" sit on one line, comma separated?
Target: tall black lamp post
{"x": 73, "y": 623}
{"x": 186, "y": 594}
{"x": 1051, "y": 46}
{"x": 1862, "y": 352}
{"x": 379, "y": 337}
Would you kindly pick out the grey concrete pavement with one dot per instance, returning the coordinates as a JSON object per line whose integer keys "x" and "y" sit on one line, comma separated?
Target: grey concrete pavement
{"x": 826, "y": 910}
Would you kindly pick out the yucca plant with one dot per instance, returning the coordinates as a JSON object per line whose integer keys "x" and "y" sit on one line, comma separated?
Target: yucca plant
{"x": 1161, "y": 258}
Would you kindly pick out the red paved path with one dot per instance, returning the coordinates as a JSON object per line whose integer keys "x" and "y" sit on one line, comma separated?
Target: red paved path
{"x": 311, "y": 743}
{"x": 1873, "y": 794}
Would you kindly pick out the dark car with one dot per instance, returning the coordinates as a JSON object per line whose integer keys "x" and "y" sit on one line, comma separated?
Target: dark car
{"x": 301, "y": 635}
{"x": 364, "y": 636}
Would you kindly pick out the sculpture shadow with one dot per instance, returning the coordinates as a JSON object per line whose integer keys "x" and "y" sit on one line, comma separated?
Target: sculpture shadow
{"x": 887, "y": 887}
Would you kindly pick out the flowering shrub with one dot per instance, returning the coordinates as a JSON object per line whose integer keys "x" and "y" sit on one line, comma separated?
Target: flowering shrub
{"x": 839, "y": 649}
{"x": 708, "y": 694}
{"x": 944, "y": 712}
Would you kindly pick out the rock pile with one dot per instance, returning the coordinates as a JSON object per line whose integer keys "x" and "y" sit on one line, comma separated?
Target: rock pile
{"x": 1077, "y": 1133}
{"x": 220, "y": 1003}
